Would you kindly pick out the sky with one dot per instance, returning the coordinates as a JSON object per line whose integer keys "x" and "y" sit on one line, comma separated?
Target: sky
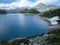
{"x": 12, "y": 4}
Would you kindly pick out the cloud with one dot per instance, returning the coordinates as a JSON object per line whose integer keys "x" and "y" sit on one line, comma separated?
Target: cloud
{"x": 9, "y": 6}
{"x": 48, "y": 1}
{"x": 32, "y": 4}
{"x": 25, "y": 3}
{"x": 45, "y": 2}
{"x": 8, "y": 1}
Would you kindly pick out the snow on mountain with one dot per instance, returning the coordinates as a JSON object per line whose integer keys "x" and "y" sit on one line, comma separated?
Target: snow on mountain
{"x": 40, "y": 7}
{"x": 43, "y": 7}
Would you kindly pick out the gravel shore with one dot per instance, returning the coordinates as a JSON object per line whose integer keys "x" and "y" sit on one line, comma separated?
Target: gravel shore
{"x": 53, "y": 27}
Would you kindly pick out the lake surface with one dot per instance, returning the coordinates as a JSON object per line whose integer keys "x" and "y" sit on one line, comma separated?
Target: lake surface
{"x": 21, "y": 25}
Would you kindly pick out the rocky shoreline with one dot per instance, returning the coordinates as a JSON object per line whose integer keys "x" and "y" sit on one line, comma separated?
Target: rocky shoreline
{"x": 37, "y": 39}
{"x": 53, "y": 27}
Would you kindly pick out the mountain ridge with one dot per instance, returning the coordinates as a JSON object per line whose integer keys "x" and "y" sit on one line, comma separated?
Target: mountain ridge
{"x": 40, "y": 7}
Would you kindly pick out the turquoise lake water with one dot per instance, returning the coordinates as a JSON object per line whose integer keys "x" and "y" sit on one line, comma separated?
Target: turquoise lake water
{"x": 21, "y": 25}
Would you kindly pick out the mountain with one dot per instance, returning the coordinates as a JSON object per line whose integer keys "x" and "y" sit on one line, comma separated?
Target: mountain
{"x": 44, "y": 8}
{"x": 40, "y": 5}
{"x": 16, "y": 10}
{"x": 53, "y": 7}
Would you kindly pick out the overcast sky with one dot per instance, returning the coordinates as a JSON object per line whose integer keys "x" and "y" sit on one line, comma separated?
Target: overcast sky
{"x": 11, "y": 4}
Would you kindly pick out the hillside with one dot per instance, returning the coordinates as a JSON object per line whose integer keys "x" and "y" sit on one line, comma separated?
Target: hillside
{"x": 2, "y": 12}
{"x": 29, "y": 11}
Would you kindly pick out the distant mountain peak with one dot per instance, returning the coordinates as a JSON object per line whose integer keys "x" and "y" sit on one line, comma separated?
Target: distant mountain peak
{"x": 40, "y": 5}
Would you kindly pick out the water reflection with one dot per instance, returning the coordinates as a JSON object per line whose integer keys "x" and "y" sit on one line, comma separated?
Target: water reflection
{"x": 21, "y": 25}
